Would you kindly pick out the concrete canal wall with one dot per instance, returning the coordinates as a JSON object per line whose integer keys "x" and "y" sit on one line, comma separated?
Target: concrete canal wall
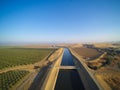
{"x": 86, "y": 74}
{"x": 51, "y": 78}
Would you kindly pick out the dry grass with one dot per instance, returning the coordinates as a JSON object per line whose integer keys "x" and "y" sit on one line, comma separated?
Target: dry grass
{"x": 112, "y": 79}
{"x": 110, "y": 73}
{"x": 103, "y": 45}
{"x": 102, "y": 83}
{"x": 96, "y": 64}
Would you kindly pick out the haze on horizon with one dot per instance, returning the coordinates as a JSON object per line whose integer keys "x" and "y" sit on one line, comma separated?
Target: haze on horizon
{"x": 59, "y": 21}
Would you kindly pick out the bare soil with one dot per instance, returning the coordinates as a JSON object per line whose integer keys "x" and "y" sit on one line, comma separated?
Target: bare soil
{"x": 86, "y": 52}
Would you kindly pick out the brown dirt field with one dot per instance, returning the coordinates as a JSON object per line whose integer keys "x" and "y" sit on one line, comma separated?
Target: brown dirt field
{"x": 86, "y": 52}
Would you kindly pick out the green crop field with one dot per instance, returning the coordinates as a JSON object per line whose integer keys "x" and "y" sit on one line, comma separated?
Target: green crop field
{"x": 10, "y": 57}
{"x": 11, "y": 78}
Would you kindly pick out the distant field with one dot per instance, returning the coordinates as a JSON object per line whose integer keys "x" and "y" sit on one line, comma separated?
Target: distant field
{"x": 21, "y": 56}
{"x": 86, "y": 52}
{"x": 103, "y": 45}
{"x": 37, "y": 46}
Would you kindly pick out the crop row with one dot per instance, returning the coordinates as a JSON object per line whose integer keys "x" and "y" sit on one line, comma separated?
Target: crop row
{"x": 10, "y": 78}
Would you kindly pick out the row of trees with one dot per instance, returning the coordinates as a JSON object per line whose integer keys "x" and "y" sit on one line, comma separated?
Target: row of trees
{"x": 10, "y": 78}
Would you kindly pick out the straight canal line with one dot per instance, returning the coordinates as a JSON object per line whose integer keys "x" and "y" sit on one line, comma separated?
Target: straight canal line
{"x": 68, "y": 73}
{"x": 68, "y": 77}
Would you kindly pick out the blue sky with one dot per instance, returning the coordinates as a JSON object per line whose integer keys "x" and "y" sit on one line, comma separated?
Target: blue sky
{"x": 59, "y": 20}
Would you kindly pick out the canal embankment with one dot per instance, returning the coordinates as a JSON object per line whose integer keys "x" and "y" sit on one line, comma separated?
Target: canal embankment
{"x": 50, "y": 80}
{"x": 85, "y": 73}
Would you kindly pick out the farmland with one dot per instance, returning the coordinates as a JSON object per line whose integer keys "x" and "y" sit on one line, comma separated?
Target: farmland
{"x": 10, "y": 57}
{"x": 11, "y": 78}
{"x": 86, "y": 52}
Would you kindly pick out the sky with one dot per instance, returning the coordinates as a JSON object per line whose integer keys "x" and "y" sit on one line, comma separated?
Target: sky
{"x": 36, "y": 21}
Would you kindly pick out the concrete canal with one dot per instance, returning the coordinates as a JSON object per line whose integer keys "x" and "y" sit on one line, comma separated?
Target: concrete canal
{"x": 68, "y": 79}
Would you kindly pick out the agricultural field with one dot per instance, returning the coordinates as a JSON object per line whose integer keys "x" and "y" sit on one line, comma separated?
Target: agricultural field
{"x": 86, "y": 52}
{"x": 10, "y": 57}
{"x": 11, "y": 78}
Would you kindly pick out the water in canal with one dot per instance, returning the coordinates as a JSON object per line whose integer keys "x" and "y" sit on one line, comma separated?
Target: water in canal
{"x": 67, "y": 59}
{"x": 68, "y": 79}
